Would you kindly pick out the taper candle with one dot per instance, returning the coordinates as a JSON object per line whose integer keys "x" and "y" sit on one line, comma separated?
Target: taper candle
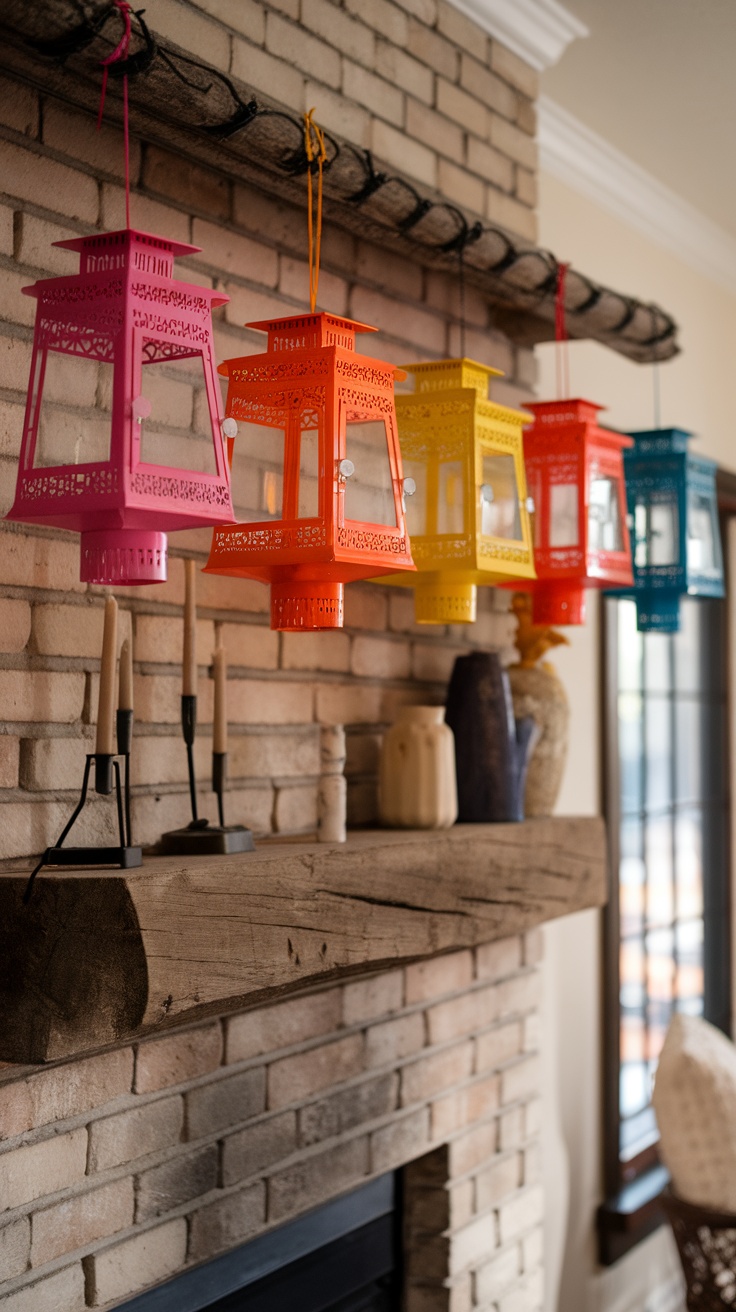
{"x": 219, "y": 728}
{"x": 189, "y": 659}
{"x": 106, "y": 703}
{"x": 125, "y": 692}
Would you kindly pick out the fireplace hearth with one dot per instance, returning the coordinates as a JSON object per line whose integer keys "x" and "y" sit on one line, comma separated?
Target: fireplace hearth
{"x": 343, "y": 1257}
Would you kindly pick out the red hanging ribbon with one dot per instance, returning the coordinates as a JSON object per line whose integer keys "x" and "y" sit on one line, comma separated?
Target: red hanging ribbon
{"x": 120, "y": 52}
{"x": 562, "y": 357}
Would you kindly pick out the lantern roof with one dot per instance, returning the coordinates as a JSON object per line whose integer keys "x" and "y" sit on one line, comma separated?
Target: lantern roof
{"x": 661, "y": 441}
{"x": 446, "y": 375}
{"x": 573, "y": 414}
{"x": 572, "y": 410}
{"x": 100, "y": 241}
{"x": 142, "y": 253}
{"x": 307, "y": 331}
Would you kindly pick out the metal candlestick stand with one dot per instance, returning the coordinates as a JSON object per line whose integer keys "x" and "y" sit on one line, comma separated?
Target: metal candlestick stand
{"x": 199, "y": 836}
{"x": 107, "y": 777}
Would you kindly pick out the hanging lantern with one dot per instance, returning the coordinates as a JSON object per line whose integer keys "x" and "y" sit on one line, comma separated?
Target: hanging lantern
{"x": 673, "y": 514}
{"x": 122, "y": 438}
{"x": 317, "y": 468}
{"x": 468, "y": 515}
{"x": 576, "y": 479}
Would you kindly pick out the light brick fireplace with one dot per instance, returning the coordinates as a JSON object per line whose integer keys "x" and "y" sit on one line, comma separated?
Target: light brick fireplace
{"x": 123, "y": 1166}
{"x": 121, "y": 1169}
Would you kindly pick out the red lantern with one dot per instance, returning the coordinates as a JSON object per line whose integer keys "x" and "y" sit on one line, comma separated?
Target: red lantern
{"x": 122, "y": 437}
{"x": 575, "y": 476}
{"x": 320, "y": 488}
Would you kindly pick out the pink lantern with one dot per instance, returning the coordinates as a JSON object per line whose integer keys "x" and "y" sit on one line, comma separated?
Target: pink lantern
{"x": 123, "y": 437}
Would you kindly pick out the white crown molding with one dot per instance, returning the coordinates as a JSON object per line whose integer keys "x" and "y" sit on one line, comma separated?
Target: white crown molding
{"x": 587, "y": 163}
{"x": 538, "y": 31}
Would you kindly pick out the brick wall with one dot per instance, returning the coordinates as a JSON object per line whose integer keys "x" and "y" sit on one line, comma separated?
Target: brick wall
{"x": 415, "y": 81}
{"x": 119, "y": 1170}
{"x": 57, "y": 179}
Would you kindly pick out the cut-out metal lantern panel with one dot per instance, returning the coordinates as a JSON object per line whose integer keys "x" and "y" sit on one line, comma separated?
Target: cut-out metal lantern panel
{"x": 575, "y": 473}
{"x": 122, "y": 439}
{"x": 673, "y": 512}
{"x": 317, "y": 475}
{"x": 468, "y": 515}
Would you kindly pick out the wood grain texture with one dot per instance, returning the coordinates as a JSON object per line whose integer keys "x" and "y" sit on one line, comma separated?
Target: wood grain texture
{"x": 98, "y": 957}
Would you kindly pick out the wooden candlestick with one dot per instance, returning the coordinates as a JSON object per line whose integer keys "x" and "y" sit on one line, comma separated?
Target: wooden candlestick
{"x": 106, "y": 703}
{"x": 189, "y": 657}
{"x": 332, "y": 792}
{"x": 219, "y": 728}
{"x": 125, "y": 693}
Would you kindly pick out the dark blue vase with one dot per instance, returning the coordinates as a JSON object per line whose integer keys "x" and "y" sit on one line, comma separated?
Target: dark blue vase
{"x": 492, "y": 748}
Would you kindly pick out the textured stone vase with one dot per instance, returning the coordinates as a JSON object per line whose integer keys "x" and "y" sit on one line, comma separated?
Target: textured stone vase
{"x": 417, "y": 787}
{"x": 491, "y": 747}
{"x": 537, "y": 692}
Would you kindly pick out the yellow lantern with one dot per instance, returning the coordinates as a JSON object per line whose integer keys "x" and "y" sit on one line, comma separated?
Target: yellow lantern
{"x": 467, "y": 510}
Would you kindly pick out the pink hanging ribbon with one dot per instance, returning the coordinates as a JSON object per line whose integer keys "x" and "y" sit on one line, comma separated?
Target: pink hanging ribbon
{"x": 120, "y": 52}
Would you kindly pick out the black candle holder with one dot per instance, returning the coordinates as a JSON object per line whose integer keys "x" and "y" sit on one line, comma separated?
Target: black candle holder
{"x": 199, "y": 836}
{"x": 107, "y": 778}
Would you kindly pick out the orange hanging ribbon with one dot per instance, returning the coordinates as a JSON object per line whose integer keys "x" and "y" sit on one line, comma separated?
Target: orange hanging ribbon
{"x": 314, "y": 145}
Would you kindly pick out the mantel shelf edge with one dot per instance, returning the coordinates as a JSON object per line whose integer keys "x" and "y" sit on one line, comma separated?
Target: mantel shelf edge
{"x": 100, "y": 957}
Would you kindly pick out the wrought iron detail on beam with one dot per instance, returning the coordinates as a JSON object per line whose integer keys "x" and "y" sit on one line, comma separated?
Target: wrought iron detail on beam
{"x": 214, "y": 119}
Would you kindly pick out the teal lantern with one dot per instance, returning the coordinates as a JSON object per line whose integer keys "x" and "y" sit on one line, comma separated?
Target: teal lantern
{"x": 673, "y": 520}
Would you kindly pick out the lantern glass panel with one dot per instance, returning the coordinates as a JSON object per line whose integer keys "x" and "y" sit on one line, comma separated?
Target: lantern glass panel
{"x": 258, "y": 471}
{"x": 604, "y": 519}
{"x": 369, "y": 491}
{"x": 534, "y": 488}
{"x": 656, "y": 532}
{"x": 499, "y": 498}
{"x": 564, "y": 529}
{"x": 702, "y": 556}
{"x": 72, "y": 437}
{"x": 450, "y": 498}
{"x": 308, "y": 503}
{"x": 416, "y": 504}
{"x": 177, "y": 433}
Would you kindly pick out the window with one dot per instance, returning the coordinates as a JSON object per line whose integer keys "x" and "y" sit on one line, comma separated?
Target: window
{"x": 499, "y": 498}
{"x": 176, "y": 434}
{"x": 667, "y": 813}
{"x": 73, "y": 414}
{"x": 369, "y": 491}
{"x": 258, "y": 471}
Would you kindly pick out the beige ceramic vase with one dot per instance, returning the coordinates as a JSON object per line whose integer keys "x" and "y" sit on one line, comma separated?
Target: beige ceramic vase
{"x": 417, "y": 787}
{"x": 538, "y": 692}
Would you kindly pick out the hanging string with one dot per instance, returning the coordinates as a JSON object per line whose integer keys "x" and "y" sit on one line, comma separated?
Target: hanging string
{"x": 314, "y": 145}
{"x": 461, "y": 280}
{"x": 562, "y": 356}
{"x": 655, "y": 385}
{"x": 120, "y": 52}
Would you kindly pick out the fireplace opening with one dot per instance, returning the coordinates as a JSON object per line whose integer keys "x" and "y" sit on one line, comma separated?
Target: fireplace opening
{"x": 342, "y": 1257}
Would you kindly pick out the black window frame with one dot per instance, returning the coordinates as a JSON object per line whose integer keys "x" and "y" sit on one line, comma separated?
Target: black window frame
{"x": 632, "y": 1190}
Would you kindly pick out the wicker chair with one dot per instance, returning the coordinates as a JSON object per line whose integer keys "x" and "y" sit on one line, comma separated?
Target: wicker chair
{"x": 706, "y": 1242}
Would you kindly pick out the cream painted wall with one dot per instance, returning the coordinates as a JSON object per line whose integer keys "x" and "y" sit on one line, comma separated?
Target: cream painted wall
{"x": 696, "y": 393}
{"x": 696, "y": 388}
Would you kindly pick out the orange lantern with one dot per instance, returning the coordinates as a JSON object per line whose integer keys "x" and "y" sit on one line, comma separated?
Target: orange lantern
{"x": 316, "y": 467}
{"x": 575, "y": 475}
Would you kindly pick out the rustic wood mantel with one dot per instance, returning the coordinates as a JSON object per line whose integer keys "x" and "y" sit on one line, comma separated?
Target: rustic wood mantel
{"x": 101, "y": 956}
